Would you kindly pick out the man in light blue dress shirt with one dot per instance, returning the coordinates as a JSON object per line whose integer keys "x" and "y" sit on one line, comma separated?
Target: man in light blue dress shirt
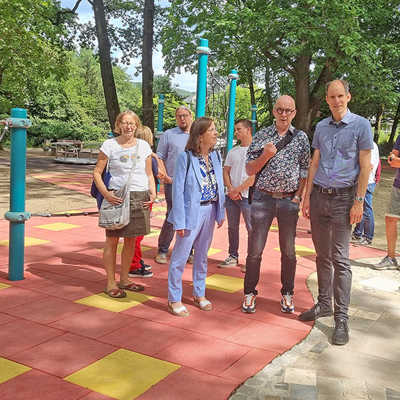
{"x": 172, "y": 143}
{"x": 336, "y": 186}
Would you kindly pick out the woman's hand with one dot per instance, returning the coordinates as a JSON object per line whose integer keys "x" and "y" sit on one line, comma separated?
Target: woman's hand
{"x": 147, "y": 204}
{"x": 112, "y": 198}
{"x": 219, "y": 224}
{"x": 180, "y": 232}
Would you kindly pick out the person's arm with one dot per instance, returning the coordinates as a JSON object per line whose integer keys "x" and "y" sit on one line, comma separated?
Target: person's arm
{"x": 356, "y": 211}
{"x": 393, "y": 159}
{"x": 253, "y": 166}
{"x": 309, "y": 182}
{"x": 152, "y": 185}
{"x": 101, "y": 164}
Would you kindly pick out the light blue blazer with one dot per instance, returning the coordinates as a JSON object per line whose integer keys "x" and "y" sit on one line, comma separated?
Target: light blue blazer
{"x": 186, "y": 191}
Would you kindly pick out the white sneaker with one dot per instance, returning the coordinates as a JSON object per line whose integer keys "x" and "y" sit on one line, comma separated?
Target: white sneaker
{"x": 161, "y": 258}
{"x": 228, "y": 262}
{"x": 249, "y": 303}
{"x": 287, "y": 305}
{"x": 386, "y": 263}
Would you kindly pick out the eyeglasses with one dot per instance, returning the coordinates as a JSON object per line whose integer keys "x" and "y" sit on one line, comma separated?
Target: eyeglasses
{"x": 287, "y": 111}
{"x": 182, "y": 116}
{"x": 128, "y": 123}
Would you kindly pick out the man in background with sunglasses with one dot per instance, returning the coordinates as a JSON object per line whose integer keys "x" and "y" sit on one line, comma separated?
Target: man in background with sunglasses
{"x": 279, "y": 155}
{"x": 334, "y": 199}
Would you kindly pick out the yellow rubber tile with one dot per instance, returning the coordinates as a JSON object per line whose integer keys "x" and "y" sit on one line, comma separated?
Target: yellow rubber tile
{"x": 44, "y": 176}
{"x": 224, "y": 283}
{"x": 159, "y": 209}
{"x": 212, "y": 251}
{"x": 105, "y": 302}
{"x": 4, "y": 286}
{"x": 57, "y": 226}
{"x": 29, "y": 241}
{"x": 145, "y": 248}
{"x": 273, "y": 228}
{"x": 301, "y": 251}
{"x": 153, "y": 232}
{"x": 68, "y": 212}
{"x": 123, "y": 375}
{"x": 10, "y": 369}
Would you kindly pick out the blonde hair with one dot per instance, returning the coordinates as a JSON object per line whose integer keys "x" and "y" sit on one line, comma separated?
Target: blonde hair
{"x": 145, "y": 133}
{"x": 117, "y": 125}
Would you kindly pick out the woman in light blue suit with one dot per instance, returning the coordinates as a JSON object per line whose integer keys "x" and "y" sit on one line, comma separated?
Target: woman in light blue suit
{"x": 197, "y": 203}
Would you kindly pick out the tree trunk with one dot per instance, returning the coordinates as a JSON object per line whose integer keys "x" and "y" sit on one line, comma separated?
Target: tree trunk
{"x": 268, "y": 93}
{"x": 251, "y": 87}
{"x": 394, "y": 126}
{"x": 378, "y": 121}
{"x": 110, "y": 92}
{"x": 147, "y": 64}
{"x": 302, "y": 81}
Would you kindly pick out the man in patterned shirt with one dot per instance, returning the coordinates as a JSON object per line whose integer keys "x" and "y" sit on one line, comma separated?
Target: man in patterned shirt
{"x": 281, "y": 177}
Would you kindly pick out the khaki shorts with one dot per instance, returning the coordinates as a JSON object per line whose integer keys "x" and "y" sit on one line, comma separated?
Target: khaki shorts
{"x": 139, "y": 224}
{"x": 394, "y": 205}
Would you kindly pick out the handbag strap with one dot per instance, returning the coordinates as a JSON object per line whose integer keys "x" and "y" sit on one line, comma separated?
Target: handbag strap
{"x": 279, "y": 146}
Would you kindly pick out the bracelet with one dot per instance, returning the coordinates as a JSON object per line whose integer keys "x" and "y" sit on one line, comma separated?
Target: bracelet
{"x": 297, "y": 197}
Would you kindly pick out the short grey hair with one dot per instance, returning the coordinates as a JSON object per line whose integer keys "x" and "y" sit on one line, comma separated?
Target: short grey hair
{"x": 342, "y": 81}
{"x": 183, "y": 108}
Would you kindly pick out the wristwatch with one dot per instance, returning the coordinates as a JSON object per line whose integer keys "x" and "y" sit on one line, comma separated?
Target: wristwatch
{"x": 298, "y": 198}
{"x": 360, "y": 199}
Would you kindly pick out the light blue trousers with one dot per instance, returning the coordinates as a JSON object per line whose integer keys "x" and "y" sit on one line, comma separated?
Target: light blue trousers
{"x": 200, "y": 239}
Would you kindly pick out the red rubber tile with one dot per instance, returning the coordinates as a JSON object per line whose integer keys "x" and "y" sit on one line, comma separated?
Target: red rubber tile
{"x": 45, "y": 311}
{"x": 4, "y": 318}
{"x": 21, "y": 335}
{"x": 93, "y": 323}
{"x": 145, "y": 337}
{"x": 267, "y": 337}
{"x": 37, "y": 385}
{"x": 204, "y": 353}
{"x": 14, "y": 296}
{"x": 96, "y": 396}
{"x": 188, "y": 384}
{"x": 249, "y": 364}
{"x": 64, "y": 355}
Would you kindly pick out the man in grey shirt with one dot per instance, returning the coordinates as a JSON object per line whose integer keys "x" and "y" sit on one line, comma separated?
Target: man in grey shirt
{"x": 172, "y": 143}
{"x": 336, "y": 186}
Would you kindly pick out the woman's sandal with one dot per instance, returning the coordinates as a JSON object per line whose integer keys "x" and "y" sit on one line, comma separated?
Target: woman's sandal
{"x": 116, "y": 293}
{"x": 180, "y": 311}
{"x": 204, "y": 305}
{"x": 133, "y": 287}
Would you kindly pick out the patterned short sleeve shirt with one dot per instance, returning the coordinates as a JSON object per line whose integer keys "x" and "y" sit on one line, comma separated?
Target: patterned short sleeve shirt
{"x": 283, "y": 171}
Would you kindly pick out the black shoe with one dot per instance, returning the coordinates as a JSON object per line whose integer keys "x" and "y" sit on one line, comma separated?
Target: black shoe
{"x": 147, "y": 267}
{"x": 314, "y": 313}
{"x": 341, "y": 333}
{"x": 140, "y": 273}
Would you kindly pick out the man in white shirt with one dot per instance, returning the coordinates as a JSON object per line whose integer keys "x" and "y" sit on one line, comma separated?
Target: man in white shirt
{"x": 237, "y": 182}
{"x": 364, "y": 231}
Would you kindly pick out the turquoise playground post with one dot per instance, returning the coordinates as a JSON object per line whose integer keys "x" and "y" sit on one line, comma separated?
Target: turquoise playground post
{"x": 253, "y": 119}
{"x": 203, "y": 51}
{"x": 17, "y": 215}
{"x": 160, "y": 119}
{"x": 233, "y": 76}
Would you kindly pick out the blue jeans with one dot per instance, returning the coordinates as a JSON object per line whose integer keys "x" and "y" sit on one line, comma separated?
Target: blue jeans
{"x": 367, "y": 225}
{"x": 263, "y": 210}
{"x": 233, "y": 210}
{"x": 331, "y": 231}
{"x": 167, "y": 230}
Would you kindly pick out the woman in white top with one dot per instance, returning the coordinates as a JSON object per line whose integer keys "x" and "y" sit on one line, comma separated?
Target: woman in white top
{"x": 119, "y": 153}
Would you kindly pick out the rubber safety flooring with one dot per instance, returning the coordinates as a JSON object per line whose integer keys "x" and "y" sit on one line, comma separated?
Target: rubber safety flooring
{"x": 61, "y": 337}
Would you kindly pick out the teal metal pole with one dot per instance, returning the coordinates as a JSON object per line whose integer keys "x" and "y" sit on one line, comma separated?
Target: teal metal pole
{"x": 160, "y": 120}
{"x": 233, "y": 76}
{"x": 17, "y": 215}
{"x": 203, "y": 51}
{"x": 253, "y": 118}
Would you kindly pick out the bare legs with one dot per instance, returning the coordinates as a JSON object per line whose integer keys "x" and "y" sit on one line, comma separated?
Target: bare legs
{"x": 391, "y": 235}
{"x": 110, "y": 256}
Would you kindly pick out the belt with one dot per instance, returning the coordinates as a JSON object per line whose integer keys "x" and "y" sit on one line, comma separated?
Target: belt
{"x": 278, "y": 195}
{"x": 332, "y": 190}
{"x": 207, "y": 202}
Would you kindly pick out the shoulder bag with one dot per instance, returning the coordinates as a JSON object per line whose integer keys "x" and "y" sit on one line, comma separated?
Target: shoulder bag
{"x": 279, "y": 146}
{"x": 116, "y": 216}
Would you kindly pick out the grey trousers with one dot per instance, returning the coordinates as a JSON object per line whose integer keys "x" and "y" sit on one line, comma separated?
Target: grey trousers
{"x": 331, "y": 232}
